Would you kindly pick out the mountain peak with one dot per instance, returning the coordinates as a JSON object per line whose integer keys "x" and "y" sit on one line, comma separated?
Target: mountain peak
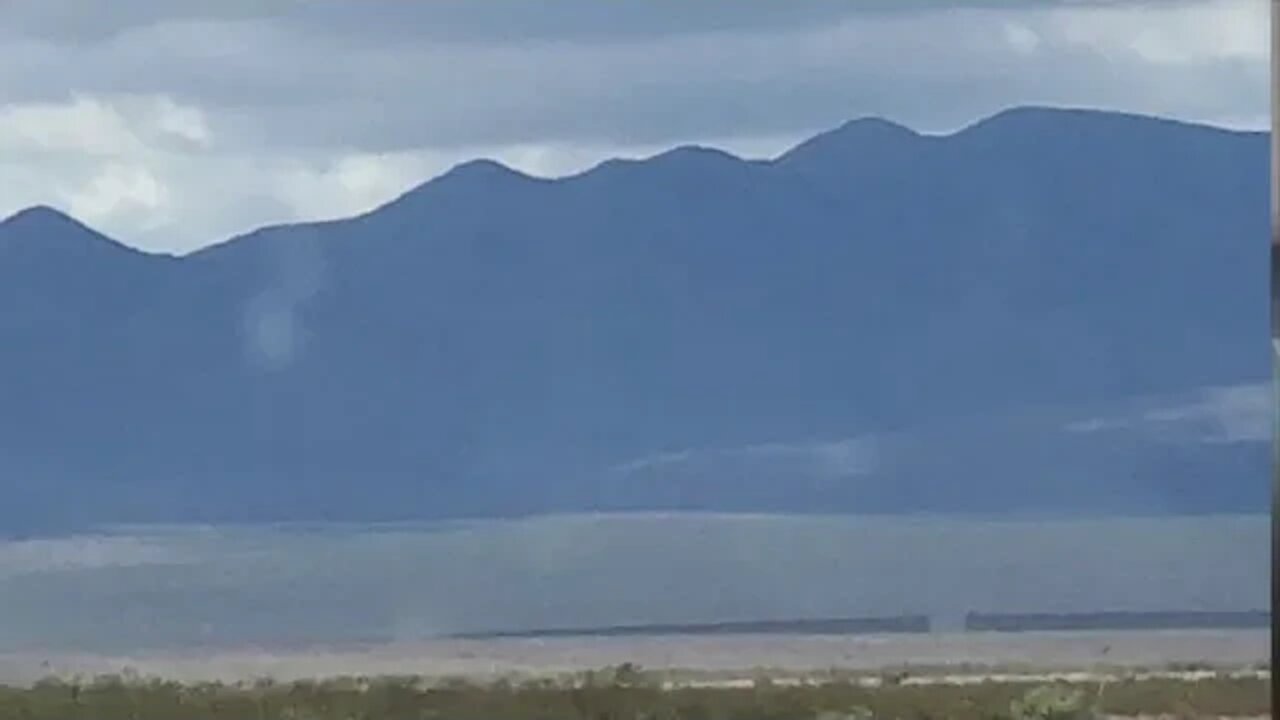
{"x": 484, "y": 169}
{"x": 47, "y": 227}
{"x": 39, "y": 215}
{"x": 857, "y": 136}
{"x": 1038, "y": 118}
{"x": 1038, "y": 115}
{"x": 470, "y": 177}
{"x": 695, "y": 153}
{"x": 683, "y": 157}
{"x": 872, "y": 124}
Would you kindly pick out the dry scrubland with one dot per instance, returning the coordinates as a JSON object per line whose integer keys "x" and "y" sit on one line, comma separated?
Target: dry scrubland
{"x": 629, "y": 692}
{"x": 1048, "y": 675}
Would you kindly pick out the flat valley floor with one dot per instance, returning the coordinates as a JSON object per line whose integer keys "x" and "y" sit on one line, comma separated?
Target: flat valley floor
{"x": 692, "y": 660}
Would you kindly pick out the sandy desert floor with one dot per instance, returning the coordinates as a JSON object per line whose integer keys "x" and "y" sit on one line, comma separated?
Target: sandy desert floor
{"x": 947, "y": 658}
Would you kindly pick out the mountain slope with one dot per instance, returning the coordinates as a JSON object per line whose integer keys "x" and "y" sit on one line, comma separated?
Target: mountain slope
{"x": 491, "y": 343}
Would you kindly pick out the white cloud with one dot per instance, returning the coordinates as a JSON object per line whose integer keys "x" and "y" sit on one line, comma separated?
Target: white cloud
{"x": 1096, "y": 424}
{"x": 82, "y": 553}
{"x": 1170, "y": 33}
{"x": 350, "y": 184}
{"x": 1021, "y": 38}
{"x": 82, "y": 125}
{"x": 182, "y": 121}
{"x": 837, "y": 459}
{"x": 1239, "y": 413}
{"x": 651, "y": 462}
{"x": 1243, "y": 413}
{"x": 108, "y": 161}
{"x": 121, "y": 193}
{"x": 1227, "y": 414}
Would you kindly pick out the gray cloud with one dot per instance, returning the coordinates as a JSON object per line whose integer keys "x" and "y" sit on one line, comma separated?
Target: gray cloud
{"x": 206, "y": 118}
{"x": 456, "y": 21}
{"x": 268, "y": 81}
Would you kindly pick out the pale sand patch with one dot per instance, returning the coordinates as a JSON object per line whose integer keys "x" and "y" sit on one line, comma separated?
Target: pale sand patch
{"x": 718, "y": 658}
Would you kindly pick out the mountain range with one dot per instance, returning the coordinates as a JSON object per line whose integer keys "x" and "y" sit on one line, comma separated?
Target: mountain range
{"x": 1048, "y": 311}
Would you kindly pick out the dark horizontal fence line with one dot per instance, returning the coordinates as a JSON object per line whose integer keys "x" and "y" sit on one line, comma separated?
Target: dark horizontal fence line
{"x": 972, "y": 622}
{"x": 1167, "y": 620}
{"x": 916, "y": 624}
{"x": 829, "y": 626}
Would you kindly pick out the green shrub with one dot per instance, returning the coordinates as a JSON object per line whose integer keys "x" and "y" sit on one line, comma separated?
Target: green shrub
{"x": 1052, "y": 702}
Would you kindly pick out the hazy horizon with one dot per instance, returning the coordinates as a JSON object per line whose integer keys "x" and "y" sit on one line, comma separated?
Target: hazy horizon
{"x": 337, "y": 585}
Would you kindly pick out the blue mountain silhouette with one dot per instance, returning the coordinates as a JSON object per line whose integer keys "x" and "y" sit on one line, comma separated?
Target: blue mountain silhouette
{"x": 495, "y": 344}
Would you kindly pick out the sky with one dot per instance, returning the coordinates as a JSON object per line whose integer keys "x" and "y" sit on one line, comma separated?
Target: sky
{"x": 174, "y": 124}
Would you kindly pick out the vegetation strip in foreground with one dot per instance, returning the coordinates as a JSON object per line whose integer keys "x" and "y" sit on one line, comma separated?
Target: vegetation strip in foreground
{"x": 624, "y": 692}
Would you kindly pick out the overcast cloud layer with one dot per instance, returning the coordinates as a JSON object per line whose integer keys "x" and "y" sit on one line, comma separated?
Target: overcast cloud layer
{"x": 171, "y": 125}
